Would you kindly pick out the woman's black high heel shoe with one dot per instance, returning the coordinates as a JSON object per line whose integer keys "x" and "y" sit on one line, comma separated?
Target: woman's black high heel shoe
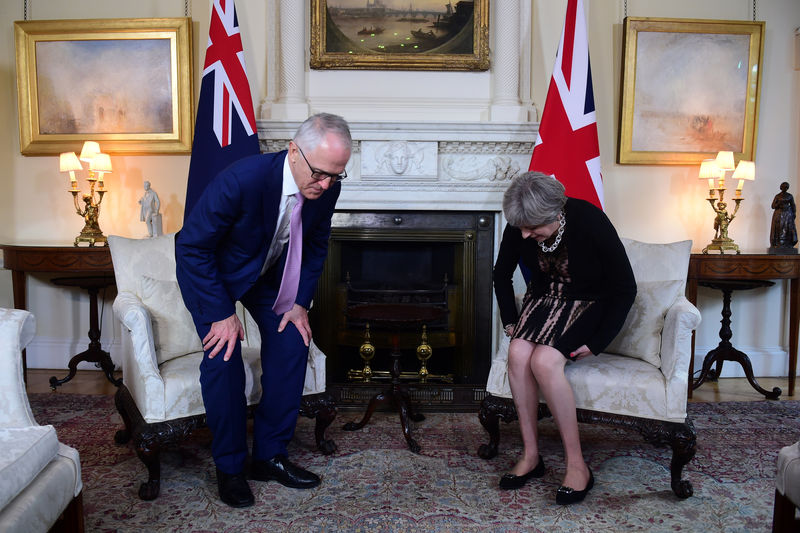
{"x": 567, "y": 495}
{"x": 512, "y": 482}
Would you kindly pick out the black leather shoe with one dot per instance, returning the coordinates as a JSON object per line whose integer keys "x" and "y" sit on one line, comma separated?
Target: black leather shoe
{"x": 234, "y": 490}
{"x": 512, "y": 482}
{"x": 284, "y": 472}
{"x": 567, "y": 496}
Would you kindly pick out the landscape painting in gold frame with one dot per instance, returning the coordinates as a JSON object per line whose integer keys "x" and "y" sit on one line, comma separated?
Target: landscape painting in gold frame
{"x": 400, "y": 35}
{"x": 126, "y": 83}
{"x": 690, "y": 88}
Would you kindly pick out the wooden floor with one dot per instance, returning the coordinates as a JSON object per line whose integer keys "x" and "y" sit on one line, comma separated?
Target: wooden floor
{"x": 725, "y": 390}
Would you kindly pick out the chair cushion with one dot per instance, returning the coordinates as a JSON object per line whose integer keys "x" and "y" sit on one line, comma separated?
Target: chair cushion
{"x": 660, "y": 271}
{"x": 182, "y": 394}
{"x": 658, "y": 262}
{"x": 640, "y": 336}
{"x": 133, "y": 258}
{"x": 41, "y": 502}
{"x": 620, "y": 385}
{"x": 26, "y": 452}
{"x": 174, "y": 333}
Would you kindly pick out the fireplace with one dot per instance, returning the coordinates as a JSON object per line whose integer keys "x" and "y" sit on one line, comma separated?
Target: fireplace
{"x": 440, "y": 204}
{"x": 441, "y": 259}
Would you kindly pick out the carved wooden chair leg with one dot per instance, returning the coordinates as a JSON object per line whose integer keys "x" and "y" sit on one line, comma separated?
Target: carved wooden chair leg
{"x": 684, "y": 446}
{"x": 321, "y": 406}
{"x": 492, "y": 410}
{"x": 151, "y": 457}
{"x": 123, "y": 435}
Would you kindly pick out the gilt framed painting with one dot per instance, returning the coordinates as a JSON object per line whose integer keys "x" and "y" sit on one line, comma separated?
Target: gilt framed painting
{"x": 690, "y": 88}
{"x": 400, "y": 35}
{"x": 124, "y": 82}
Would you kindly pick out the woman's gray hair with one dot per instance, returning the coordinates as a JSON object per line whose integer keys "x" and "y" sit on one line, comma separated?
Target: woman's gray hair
{"x": 311, "y": 132}
{"x": 533, "y": 199}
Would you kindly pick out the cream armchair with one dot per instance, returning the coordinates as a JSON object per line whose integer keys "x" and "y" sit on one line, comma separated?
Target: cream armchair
{"x": 160, "y": 399}
{"x": 41, "y": 478}
{"x": 641, "y": 381}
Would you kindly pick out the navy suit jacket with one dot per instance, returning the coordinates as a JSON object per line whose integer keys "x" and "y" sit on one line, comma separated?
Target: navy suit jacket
{"x": 222, "y": 247}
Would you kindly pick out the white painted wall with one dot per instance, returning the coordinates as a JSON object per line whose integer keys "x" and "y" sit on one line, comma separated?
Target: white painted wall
{"x": 651, "y": 203}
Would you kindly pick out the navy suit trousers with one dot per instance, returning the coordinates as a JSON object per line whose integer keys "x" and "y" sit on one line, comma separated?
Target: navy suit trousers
{"x": 283, "y": 365}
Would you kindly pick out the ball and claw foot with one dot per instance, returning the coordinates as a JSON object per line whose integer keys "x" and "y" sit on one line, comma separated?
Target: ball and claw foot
{"x": 150, "y": 489}
{"x": 414, "y": 446}
{"x": 327, "y": 446}
{"x": 683, "y": 489}
{"x": 487, "y": 451}
{"x": 122, "y": 436}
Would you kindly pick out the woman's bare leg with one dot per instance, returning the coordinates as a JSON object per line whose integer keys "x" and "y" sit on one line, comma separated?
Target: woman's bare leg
{"x": 547, "y": 367}
{"x": 526, "y": 399}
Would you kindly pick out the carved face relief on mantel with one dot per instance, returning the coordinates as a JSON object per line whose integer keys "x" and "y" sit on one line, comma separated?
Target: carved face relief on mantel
{"x": 390, "y": 159}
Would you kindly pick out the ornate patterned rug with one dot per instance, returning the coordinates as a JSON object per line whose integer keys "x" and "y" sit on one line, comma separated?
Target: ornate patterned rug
{"x": 373, "y": 483}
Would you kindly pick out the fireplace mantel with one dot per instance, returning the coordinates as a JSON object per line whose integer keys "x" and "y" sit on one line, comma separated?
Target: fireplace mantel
{"x": 464, "y": 166}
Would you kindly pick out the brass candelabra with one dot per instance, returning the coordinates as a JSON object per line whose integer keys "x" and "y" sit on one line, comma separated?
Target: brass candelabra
{"x": 88, "y": 206}
{"x": 714, "y": 171}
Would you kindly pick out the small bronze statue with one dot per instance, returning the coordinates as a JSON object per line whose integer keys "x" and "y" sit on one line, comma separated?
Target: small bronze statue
{"x": 783, "y": 233}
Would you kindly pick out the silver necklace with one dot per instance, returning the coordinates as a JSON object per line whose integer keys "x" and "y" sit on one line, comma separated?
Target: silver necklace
{"x": 562, "y": 221}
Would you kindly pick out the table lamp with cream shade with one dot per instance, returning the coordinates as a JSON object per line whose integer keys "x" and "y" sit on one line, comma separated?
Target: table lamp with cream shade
{"x": 99, "y": 164}
{"x": 715, "y": 171}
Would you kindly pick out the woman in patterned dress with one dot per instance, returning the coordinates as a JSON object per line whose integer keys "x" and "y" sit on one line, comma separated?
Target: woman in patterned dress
{"x": 580, "y": 290}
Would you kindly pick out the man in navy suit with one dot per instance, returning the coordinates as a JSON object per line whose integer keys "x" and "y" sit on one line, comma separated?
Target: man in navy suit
{"x": 233, "y": 246}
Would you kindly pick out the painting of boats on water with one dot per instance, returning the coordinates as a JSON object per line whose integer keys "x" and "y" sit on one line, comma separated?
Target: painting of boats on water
{"x": 400, "y": 34}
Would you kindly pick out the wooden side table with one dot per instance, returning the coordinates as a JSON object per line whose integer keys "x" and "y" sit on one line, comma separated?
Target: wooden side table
{"x": 749, "y": 267}
{"x": 70, "y": 260}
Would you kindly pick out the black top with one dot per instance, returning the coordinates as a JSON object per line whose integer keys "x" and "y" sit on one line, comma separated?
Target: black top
{"x": 597, "y": 263}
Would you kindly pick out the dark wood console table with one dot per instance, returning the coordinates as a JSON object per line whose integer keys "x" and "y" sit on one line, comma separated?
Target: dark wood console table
{"x": 92, "y": 263}
{"x": 750, "y": 267}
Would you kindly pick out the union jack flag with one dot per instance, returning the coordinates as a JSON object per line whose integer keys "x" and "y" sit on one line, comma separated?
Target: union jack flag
{"x": 567, "y": 145}
{"x": 225, "y": 127}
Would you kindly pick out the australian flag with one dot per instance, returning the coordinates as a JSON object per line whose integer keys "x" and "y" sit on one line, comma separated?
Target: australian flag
{"x": 225, "y": 128}
{"x": 567, "y": 146}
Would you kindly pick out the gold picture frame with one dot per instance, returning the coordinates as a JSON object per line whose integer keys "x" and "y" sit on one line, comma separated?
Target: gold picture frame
{"x": 126, "y": 83}
{"x": 690, "y": 88}
{"x": 448, "y": 40}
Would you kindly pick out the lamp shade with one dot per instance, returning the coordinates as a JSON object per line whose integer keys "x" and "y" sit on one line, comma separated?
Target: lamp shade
{"x": 709, "y": 169}
{"x": 100, "y": 163}
{"x": 68, "y": 161}
{"x": 745, "y": 170}
{"x": 89, "y": 150}
{"x": 725, "y": 161}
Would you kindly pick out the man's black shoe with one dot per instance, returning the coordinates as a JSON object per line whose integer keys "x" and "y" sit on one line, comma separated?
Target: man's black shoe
{"x": 234, "y": 490}
{"x": 284, "y": 472}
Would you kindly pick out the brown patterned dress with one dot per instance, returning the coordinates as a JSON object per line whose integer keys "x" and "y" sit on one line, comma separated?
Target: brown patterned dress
{"x": 547, "y": 316}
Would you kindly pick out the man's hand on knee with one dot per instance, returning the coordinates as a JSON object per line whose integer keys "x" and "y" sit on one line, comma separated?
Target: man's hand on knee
{"x": 223, "y": 332}
{"x": 298, "y": 316}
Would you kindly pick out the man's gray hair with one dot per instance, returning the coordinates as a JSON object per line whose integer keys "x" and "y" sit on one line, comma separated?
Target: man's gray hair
{"x": 311, "y": 132}
{"x": 533, "y": 199}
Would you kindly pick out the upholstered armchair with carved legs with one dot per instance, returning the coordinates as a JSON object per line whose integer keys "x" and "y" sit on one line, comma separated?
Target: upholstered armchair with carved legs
{"x": 160, "y": 399}
{"x": 40, "y": 477}
{"x": 641, "y": 380}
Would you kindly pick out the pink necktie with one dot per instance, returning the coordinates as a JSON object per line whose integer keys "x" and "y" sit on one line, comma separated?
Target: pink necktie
{"x": 294, "y": 258}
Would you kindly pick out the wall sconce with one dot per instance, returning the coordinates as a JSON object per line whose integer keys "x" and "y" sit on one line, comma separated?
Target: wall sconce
{"x": 714, "y": 171}
{"x": 99, "y": 165}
